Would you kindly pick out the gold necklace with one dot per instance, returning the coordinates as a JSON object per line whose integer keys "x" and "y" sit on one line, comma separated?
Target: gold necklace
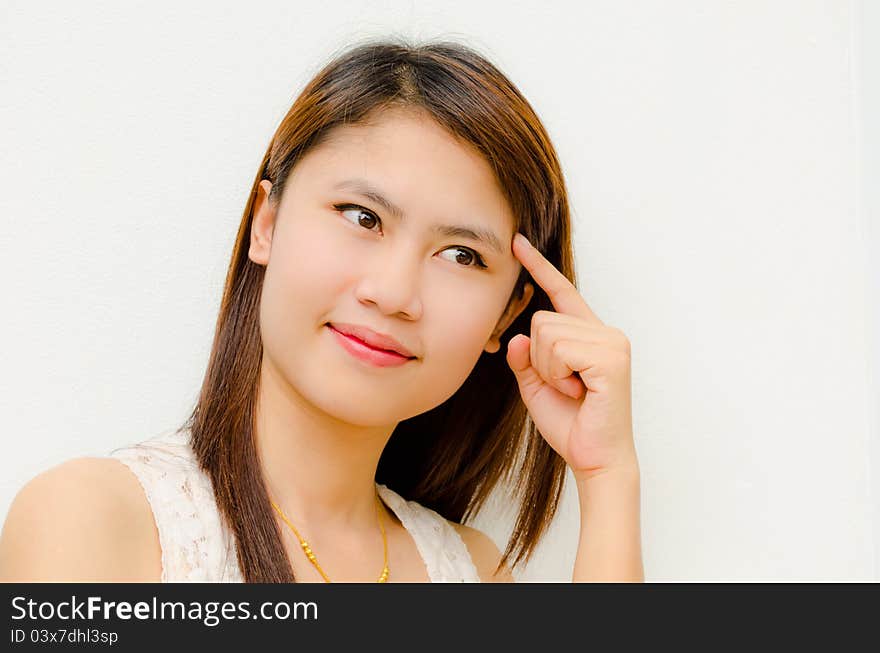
{"x": 311, "y": 556}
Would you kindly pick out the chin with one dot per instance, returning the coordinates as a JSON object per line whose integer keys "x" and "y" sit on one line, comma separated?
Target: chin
{"x": 352, "y": 400}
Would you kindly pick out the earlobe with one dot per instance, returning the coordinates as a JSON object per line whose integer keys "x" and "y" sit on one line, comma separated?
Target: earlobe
{"x": 262, "y": 224}
{"x": 510, "y": 315}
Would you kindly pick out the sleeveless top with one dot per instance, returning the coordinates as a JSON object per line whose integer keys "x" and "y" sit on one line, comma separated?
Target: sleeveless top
{"x": 198, "y": 546}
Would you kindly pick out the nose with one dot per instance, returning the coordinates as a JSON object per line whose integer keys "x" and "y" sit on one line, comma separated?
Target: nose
{"x": 392, "y": 281}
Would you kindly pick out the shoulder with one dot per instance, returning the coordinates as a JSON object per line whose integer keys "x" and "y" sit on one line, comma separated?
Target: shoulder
{"x": 482, "y": 550}
{"x": 484, "y": 553}
{"x": 86, "y": 519}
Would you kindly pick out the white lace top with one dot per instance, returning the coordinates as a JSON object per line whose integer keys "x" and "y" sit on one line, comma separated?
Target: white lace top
{"x": 197, "y": 546}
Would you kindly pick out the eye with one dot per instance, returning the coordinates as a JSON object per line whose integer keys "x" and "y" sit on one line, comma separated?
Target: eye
{"x": 368, "y": 220}
{"x": 469, "y": 256}
{"x": 344, "y": 208}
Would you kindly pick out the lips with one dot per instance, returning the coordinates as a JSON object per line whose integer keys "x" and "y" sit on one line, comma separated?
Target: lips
{"x": 373, "y": 339}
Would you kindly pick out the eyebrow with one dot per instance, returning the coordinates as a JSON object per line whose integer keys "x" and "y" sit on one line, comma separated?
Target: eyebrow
{"x": 472, "y": 232}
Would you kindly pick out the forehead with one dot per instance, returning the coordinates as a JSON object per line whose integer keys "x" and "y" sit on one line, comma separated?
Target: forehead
{"x": 423, "y": 169}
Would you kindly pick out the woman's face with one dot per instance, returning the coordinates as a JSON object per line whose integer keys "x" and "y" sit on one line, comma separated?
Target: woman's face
{"x": 335, "y": 255}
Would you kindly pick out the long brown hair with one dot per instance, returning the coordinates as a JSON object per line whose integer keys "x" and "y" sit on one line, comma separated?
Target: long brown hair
{"x": 451, "y": 457}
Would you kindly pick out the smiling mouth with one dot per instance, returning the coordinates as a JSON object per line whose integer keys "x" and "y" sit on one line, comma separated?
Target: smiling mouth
{"x": 374, "y": 355}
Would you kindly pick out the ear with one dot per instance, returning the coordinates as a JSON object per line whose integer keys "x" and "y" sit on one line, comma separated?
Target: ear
{"x": 513, "y": 310}
{"x": 262, "y": 225}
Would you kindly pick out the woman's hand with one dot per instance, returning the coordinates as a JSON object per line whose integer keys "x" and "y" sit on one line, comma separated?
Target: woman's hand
{"x": 573, "y": 373}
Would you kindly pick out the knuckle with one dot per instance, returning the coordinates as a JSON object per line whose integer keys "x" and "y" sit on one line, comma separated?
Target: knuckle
{"x": 621, "y": 339}
{"x": 622, "y": 361}
{"x": 539, "y": 318}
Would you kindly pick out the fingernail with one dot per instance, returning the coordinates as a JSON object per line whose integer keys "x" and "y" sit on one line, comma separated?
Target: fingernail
{"x": 523, "y": 240}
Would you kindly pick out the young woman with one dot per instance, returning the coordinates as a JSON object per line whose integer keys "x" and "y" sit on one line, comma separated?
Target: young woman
{"x": 399, "y": 333}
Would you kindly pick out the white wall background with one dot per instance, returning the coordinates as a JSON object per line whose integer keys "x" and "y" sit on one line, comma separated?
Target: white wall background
{"x": 713, "y": 152}
{"x": 867, "y": 80}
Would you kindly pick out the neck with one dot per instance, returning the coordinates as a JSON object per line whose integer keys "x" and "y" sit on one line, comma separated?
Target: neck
{"x": 318, "y": 469}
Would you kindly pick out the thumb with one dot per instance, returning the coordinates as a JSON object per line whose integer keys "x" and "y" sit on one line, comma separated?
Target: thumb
{"x": 519, "y": 360}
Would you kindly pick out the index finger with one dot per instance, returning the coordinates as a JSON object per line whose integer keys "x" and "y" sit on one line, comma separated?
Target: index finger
{"x": 562, "y": 293}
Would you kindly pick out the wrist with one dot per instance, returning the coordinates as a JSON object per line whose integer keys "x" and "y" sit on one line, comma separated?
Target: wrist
{"x": 609, "y": 548}
{"x": 626, "y": 472}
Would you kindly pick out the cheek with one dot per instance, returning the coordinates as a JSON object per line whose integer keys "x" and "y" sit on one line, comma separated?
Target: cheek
{"x": 307, "y": 267}
{"x": 460, "y": 324}
{"x": 456, "y": 333}
{"x": 300, "y": 284}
